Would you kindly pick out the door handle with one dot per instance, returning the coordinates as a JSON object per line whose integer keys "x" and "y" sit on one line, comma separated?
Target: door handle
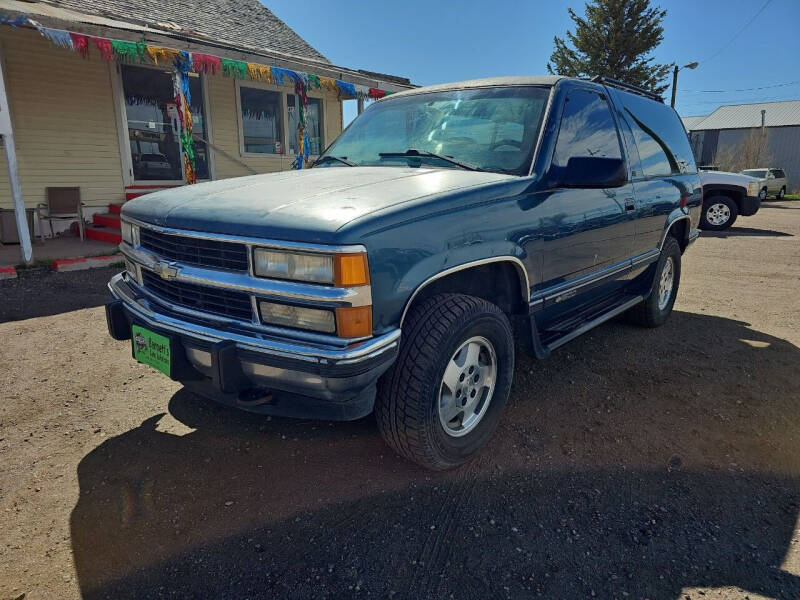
{"x": 629, "y": 204}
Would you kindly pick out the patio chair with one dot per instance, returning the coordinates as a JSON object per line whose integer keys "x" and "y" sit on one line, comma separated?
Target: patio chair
{"x": 63, "y": 204}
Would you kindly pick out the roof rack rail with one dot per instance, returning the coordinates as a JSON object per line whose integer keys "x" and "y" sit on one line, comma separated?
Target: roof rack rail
{"x": 628, "y": 87}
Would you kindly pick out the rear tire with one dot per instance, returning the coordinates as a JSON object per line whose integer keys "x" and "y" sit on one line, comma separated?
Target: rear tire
{"x": 656, "y": 308}
{"x": 719, "y": 212}
{"x": 781, "y": 194}
{"x": 414, "y": 400}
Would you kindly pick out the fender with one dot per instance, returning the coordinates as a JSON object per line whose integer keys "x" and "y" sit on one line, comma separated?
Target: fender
{"x": 522, "y": 273}
{"x": 728, "y": 187}
{"x": 677, "y": 215}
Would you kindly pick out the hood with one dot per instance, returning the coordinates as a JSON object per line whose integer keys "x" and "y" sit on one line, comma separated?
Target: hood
{"x": 707, "y": 177}
{"x": 308, "y": 205}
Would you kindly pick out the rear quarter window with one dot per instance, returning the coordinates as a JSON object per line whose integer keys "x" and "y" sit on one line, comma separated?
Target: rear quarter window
{"x": 659, "y": 135}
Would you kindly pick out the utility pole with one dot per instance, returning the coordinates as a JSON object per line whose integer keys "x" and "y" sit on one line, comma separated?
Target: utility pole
{"x": 691, "y": 65}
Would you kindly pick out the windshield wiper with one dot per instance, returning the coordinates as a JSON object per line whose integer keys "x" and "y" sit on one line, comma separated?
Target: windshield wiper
{"x": 330, "y": 157}
{"x": 413, "y": 152}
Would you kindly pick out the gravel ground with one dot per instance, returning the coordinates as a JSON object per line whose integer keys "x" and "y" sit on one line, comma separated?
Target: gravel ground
{"x": 658, "y": 464}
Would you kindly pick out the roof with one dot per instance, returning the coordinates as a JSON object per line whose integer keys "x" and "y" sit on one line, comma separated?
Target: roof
{"x": 245, "y": 22}
{"x": 236, "y": 29}
{"x": 486, "y": 82}
{"x": 690, "y": 122}
{"x": 743, "y": 116}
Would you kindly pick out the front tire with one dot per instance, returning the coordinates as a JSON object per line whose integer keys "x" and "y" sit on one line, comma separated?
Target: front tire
{"x": 762, "y": 195}
{"x": 656, "y": 308}
{"x": 442, "y": 399}
{"x": 719, "y": 212}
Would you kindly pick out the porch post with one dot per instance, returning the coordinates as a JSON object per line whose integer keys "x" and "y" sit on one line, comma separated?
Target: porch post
{"x": 7, "y": 133}
{"x": 360, "y": 102}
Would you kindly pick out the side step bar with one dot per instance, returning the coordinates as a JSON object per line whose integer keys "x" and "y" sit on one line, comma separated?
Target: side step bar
{"x": 543, "y": 351}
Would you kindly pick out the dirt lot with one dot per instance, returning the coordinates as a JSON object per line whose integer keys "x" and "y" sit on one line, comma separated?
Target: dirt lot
{"x": 657, "y": 464}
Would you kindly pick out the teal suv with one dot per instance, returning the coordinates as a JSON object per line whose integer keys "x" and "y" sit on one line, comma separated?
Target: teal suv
{"x": 447, "y": 228}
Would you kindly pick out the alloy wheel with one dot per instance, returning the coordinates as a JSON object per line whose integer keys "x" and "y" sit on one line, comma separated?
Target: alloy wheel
{"x": 467, "y": 386}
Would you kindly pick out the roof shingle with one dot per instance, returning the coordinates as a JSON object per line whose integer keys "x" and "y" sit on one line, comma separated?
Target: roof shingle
{"x": 242, "y": 22}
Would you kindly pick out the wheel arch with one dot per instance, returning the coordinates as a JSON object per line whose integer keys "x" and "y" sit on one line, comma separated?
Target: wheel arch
{"x": 511, "y": 289}
{"x": 678, "y": 227}
{"x": 735, "y": 193}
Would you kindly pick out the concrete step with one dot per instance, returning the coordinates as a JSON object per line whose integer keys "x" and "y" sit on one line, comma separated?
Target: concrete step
{"x": 107, "y": 220}
{"x": 115, "y": 209}
{"x": 104, "y": 234}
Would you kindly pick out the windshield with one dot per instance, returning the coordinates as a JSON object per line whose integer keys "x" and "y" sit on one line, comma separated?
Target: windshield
{"x": 758, "y": 173}
{"x": 491, "y": 129}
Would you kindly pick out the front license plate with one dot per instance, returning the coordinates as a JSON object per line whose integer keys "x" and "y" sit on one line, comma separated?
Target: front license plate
{"x": 152, "y": 349}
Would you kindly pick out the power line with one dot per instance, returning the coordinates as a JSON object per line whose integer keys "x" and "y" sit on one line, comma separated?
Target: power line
{"x": 763, "y": 87}
{"x": 736, "y": 35}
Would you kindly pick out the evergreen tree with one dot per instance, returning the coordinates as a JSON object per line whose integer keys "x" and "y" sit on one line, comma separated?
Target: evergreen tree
{"x": 615, "y": 39}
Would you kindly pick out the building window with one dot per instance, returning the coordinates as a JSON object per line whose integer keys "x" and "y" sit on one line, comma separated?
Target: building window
{"x": 313, "y": 125}
{"x": 154, "y": 126}
{"x": 262, "y": 121}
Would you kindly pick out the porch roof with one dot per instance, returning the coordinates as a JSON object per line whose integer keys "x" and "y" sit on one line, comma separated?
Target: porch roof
{"x": 236, "y": 29}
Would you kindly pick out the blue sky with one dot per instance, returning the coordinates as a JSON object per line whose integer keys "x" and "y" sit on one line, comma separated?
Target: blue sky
{"x": 436, "y": 41}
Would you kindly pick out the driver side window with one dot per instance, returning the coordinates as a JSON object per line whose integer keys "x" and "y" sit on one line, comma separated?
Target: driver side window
{"x": 587, "y": 129}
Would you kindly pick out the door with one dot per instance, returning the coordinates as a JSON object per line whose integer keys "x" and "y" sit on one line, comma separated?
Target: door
{"x": 587, "y": 232}
{"x": 154, "y": 127}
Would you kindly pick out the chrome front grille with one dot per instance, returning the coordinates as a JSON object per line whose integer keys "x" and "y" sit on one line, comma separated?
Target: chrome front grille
{"x": 200, "y": 252}
{"x": 217, "y": 301}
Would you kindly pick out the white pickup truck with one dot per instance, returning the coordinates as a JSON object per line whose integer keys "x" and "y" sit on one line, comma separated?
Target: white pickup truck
{"x": 727, "y": 196}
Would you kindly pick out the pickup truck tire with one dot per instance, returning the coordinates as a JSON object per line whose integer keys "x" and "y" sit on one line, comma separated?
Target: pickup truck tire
{"x": 656, "y": 308}
{"x": 448, "y": 337}
{"x": 719, "y": 212}
{"x": 781, "y": 193}
{"x": 762, "y": 195}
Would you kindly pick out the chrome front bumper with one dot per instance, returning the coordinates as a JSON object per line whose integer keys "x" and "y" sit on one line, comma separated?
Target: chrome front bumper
{"x": 299, "y": 377}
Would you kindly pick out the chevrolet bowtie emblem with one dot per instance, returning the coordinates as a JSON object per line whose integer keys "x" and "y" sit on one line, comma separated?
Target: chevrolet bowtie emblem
{"x": 165, "y": 270}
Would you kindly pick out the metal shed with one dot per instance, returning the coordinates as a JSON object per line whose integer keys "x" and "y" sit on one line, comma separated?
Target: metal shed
{"x": 726, "y": 128}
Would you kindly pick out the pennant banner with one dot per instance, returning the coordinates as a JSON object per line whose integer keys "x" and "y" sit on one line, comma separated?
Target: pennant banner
{"x": 58, "y": 37}
{"x": 104, "y": 46}
{"x": 206, "y": 64}
{"x": 234, "y": 68}
{"x": 183, "y": 63}
{"x": 260, "y": 73}
{"x": 164, "y": 56}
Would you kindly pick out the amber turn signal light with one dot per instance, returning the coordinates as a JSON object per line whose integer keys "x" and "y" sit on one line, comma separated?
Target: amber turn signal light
{"x": 354, "y": 321}
{"x": 350, "y": 270}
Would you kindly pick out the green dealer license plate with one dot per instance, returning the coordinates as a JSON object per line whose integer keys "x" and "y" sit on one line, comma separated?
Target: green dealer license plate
{"x": 152, "y": 349}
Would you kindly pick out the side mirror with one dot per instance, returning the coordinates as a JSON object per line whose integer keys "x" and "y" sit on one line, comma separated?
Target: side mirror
{"x": 593, "y": 172}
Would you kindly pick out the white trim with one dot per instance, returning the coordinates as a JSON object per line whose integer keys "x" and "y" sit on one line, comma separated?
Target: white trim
{"x": 9, "y": 145}
{"x": 209, "y": 134}
{"x": 118, "y": 97}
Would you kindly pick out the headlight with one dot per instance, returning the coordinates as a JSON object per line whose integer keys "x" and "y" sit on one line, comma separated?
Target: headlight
{"x": 752, "y": 188}
{"x": 276, "y": 264}
{"x": 296, "y": 316}
{"x": 341, "y": 270}
{"x": 130, "y": 233}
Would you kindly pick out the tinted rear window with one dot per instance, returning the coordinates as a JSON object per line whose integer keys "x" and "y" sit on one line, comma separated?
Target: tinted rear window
{"x": 660, "y": 136}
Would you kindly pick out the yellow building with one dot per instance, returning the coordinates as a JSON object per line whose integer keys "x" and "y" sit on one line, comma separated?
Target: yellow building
{"x": 112, "y": 128}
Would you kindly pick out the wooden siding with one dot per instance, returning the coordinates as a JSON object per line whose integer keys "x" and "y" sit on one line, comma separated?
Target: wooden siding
{"x": 62, "y": 110}
{"x": 225, "y": 129}
{"x": 63, "y": 118}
